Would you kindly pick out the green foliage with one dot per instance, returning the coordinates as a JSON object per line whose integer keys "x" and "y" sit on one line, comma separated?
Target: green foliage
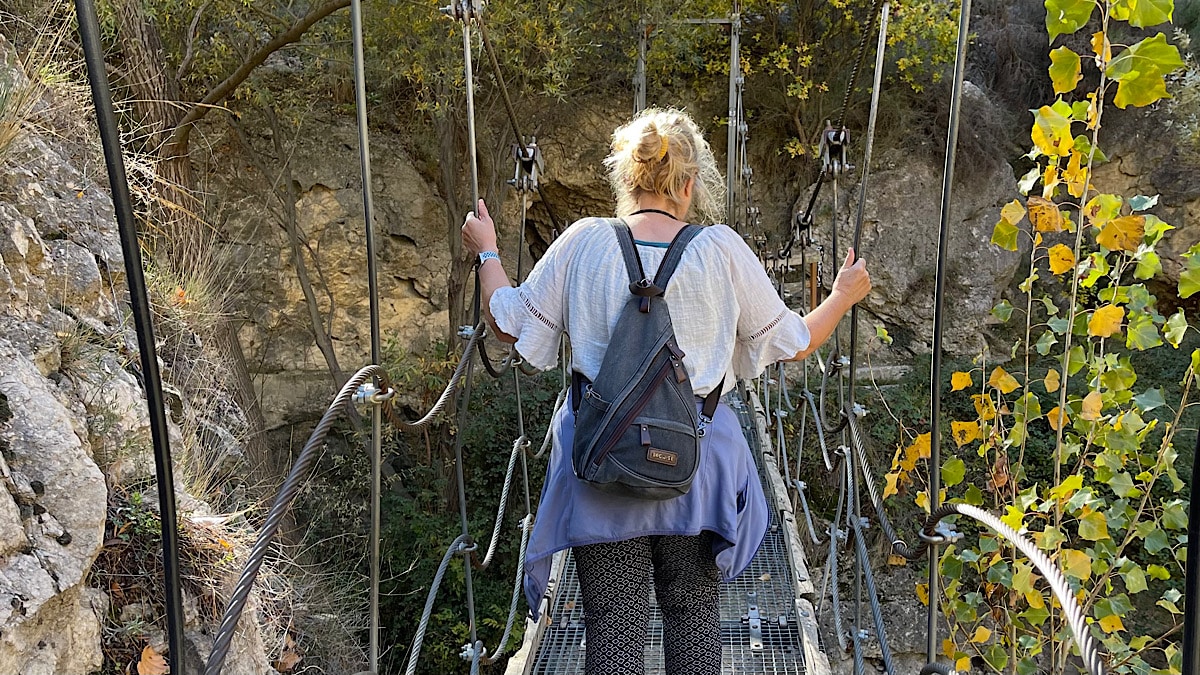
{"x": 1075, "y": 446}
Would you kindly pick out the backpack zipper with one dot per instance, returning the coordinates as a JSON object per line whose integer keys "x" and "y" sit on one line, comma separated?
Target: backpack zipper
{"x": 637, "y": 407}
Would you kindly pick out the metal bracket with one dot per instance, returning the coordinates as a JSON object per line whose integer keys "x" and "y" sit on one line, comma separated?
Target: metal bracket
{"x": 529, "y": 165}
{"x": 369, "y": 393}
{"x": 943, "y": 533}
{"x": 753, "y": 619}
{"x": 834, "y": 147}
{"x": 858, "y": 410}
{"x": 463, "y": 9}
{"x": 471, "y": 651}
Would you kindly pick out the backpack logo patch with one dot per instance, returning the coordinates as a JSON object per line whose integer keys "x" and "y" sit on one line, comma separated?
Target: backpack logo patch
{"x": 662, "y": 457}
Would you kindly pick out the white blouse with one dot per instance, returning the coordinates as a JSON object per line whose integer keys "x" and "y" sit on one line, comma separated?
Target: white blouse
{"x": 728, "y": 319}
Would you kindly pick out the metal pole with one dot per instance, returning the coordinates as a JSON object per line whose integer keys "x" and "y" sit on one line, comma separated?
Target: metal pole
{"x": 862, "y": 186}
{"x": 731, "y": 143}
{"x": 639, "y": 76}
{"x": 364, "y": 154}
{"x": 470, "y": 75}
{"x": 110, "y": 138}
{"x": 935, "y": 451}
{"x": 1191, "y": 613}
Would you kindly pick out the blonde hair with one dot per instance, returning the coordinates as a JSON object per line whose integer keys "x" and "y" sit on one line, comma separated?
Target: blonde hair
{"x": 657, "y": 153}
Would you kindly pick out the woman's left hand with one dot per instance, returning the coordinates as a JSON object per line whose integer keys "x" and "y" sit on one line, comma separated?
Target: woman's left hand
{"x": 479, "y": 232}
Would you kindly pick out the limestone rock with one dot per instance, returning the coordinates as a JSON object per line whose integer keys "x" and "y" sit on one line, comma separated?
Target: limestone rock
{"x": 899, "y": 243}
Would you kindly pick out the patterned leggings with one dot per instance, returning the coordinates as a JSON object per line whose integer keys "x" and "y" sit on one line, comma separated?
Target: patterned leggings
{"x": 614, "y": 580}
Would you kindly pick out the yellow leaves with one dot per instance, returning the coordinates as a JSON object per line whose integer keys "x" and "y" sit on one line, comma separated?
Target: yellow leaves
{"x": 1013, "y": 212}
{"x": 1106, "y": 320}
{"x": 1111, "y": 623}
{"x": 890, "y": 488}
{"x": 1057, "y": 417}
{"x": 1053, "y": 381}
{"x": 960, "y": 380}
{"x": 964, "y": 432}
{"x": 923, "y": 593}
{"x": 1062, "y": 259}
{"x": 1092, "y": 404}
{"x": 982, "y": 634}
{"x": 984, "y": 406}
{"x": 1044, "y": 215}
{"x": 1076, "y": 564}
{"x": 1065, "y": 70}
{"x": 1122, "y": 234}
{"x": 1076, "y": 174}
{"x": 919, "y": 449}
{"x": 152, "y": 663}
{"x": 1102, "y": 48}
{"x": 963, "y": 665}
{"x": 1001, "y": 380}
{"x": 1051, "y": 132}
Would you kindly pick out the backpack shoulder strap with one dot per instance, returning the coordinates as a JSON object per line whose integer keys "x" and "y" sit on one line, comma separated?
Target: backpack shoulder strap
{"x": 674, "y": 254}
{"x": 633, "y": 262}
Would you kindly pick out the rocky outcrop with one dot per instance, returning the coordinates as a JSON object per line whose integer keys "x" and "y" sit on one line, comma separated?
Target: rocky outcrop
{"x": 73, "y": 418}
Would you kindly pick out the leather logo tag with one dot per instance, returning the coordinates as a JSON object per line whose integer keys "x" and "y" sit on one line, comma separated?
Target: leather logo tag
{"x": 662, "y": 457}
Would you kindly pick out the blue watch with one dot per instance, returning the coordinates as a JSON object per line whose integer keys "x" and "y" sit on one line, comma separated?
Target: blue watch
{"x": 488, "y": 255}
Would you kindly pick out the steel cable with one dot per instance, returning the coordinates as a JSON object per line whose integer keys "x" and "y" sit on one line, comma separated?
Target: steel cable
{"x": 444, "y": 398}
{"x": 885, "y": 524}
{"x": 872, "y": 595}
{"x": 518, "y": 584}
{"x": 519, "y": 446}
{"x": 287, "y": 493}
{"x": 548, "y": 439}
{"x": 459, "y": 544}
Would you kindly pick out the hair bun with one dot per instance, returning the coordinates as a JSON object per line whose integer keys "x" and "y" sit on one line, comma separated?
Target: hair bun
{"x": 652, "y": 146}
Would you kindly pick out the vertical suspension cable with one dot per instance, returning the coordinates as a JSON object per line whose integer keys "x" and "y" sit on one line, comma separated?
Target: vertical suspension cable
{"x": 735, "y": 25}
{"x": 935, "y": 461}
{"x": 364, "y": 157}
{"x": 139, "y": 303}
{"x": 862, "y": 186}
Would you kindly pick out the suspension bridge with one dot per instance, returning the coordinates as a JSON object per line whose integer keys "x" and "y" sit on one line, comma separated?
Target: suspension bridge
{"x": 770, "y": 616}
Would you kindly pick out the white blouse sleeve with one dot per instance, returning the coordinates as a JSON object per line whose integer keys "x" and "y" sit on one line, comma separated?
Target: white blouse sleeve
{"x": 533, "y": 312}
{"x": 767, "y": 331}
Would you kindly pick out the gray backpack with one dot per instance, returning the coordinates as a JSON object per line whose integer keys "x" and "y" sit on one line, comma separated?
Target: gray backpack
{"x": 637, "y": 430}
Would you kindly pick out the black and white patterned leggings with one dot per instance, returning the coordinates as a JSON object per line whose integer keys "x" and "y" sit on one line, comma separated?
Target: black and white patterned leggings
{"x": 614, "y": 580}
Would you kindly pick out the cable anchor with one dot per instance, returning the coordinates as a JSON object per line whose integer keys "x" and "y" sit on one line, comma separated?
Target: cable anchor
{"x": 463, "y": 10}
{"x": 470, "y": 651}
{"x": 858, "y": 411}
{"x": 369, "y": 393}
{"x": 835, "y": 144}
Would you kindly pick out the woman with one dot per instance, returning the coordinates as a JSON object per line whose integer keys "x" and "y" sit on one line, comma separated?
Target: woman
{"x": 730, "y": 323}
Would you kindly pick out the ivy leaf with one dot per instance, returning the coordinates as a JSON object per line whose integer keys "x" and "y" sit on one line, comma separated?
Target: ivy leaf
{"x": 1144, "y": 13}
{"x": 1122, "y": 234}
{"x": 1045, "y": 342}
{"x": 1044, "y": 214}
{"x": 1189, "y": 278}
{"x": 953, "y": 472}
{"x": 1093, "y": 526}
{"x": 995, "y": 655}
{"x": 1142, "y": 202}
{"x": 1076, "y": 564}
{"x": 964, "y": 432}
{"x": 1176, "y": 327}
{"x": 1001, "y": 380}
{"x": 1003, "y": 310}
{"x": 1051, "y": 132}
{"x": 1076, "y": 359}
{"x": 1067, "y": 16}
{"x": 1106, "y": 320}
{"x": 1156, "y": 541}
{"x": 1062, "y": 259}
{"x": 1140, "y": 71}
{"x": 1148, "y": 266}
{"x": 1093, "y": 403}
{"x": 1135, "y": 580}
{"x": 1004, "y": 235}
{"x": 1150, "y": 399}
{"x": 961, "y": 380}
{"x": 1142, "y": 333}
{"x": 1065, "y": 70}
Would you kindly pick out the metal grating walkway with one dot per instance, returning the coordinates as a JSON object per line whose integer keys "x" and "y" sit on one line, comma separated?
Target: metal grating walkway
{"x": 783, "y": 642}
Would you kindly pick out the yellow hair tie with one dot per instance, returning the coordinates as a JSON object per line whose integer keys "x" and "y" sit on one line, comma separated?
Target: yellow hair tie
{"x": 663, "y": 151}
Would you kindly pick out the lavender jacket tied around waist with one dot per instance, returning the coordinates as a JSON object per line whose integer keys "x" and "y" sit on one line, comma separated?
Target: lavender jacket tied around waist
{"x": 726, "y": 499}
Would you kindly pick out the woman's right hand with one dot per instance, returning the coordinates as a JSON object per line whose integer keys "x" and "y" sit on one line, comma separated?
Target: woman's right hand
{"x": 853, "y": 282}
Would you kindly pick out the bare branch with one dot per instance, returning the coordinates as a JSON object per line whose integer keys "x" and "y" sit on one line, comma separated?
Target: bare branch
{"x": 189, "y": 54}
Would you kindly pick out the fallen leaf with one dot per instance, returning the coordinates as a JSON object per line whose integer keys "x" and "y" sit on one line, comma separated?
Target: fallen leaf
{"x": 152, "y": 663}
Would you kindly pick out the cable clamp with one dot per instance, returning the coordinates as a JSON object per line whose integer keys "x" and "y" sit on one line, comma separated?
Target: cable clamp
{"x": 472, "y": 651}
{"x": 466, "y": 332}
{"x": 369, "y": 393}
{"x": 462, "y": 9}
{"x": 858, "y": 411}
{"x": 781, "y": 413}
{"x": 863, "y": 634}
{"x": 943, "y": 533}
{"x": 864, "y": 523}
{"x": 841, "y": 450}
{"x": 800, "y": 485}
